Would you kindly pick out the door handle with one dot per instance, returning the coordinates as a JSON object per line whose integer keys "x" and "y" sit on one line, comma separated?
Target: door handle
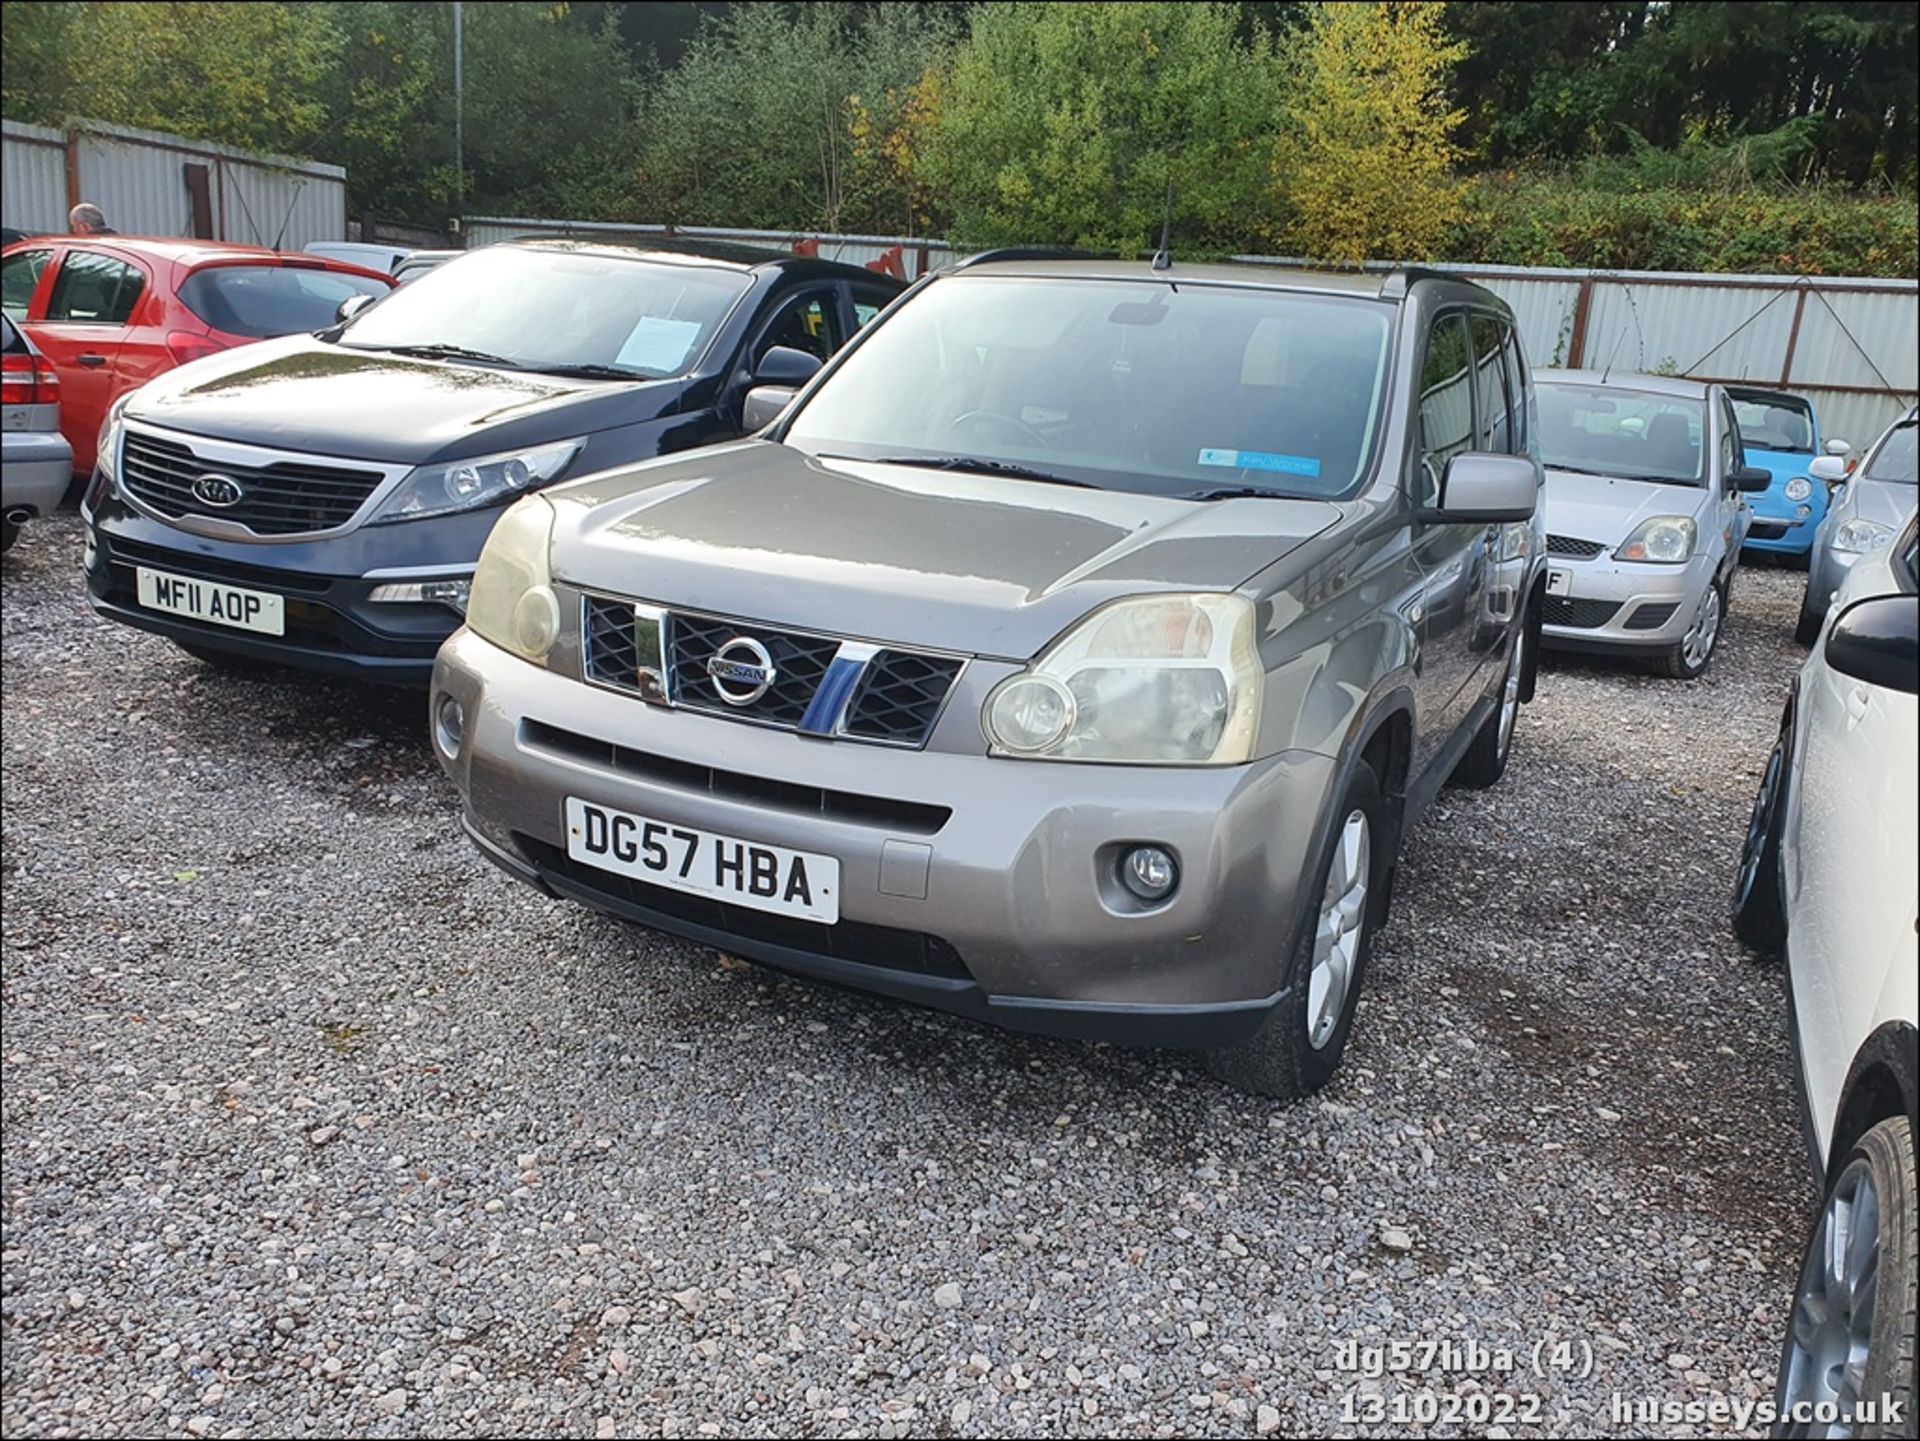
{"x": 1857, "y": 699}
{"x": 93, "y": 362}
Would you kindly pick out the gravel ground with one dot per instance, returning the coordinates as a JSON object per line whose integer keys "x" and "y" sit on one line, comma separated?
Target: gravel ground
{"x": 314, "y": 1123}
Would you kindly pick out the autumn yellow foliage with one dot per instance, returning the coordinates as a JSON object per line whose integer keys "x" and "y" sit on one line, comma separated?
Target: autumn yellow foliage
{"x": 1365, "y": 167}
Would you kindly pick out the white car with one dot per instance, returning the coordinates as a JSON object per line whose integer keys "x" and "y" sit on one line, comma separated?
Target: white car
{"x": 1828, "y": 874}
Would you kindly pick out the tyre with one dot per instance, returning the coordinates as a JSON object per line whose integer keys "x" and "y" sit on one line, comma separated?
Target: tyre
{"x": 1299, "y": 1048}
{"x": 1690, "y": 659}
{"x": 226, "y": 660}
{"x": 1850, "y": 1333}
{"x": 1486, "y": 759}
{"x": 1759, "y": 910}
{"x": 1806, "y": 629}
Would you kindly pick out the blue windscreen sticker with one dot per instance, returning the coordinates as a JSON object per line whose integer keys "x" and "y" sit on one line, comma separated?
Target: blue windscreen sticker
{"x": 1261, "y": 460}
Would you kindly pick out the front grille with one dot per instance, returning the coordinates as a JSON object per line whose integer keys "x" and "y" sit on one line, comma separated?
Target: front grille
{"x": 799, "y": 661}
{"x": 612, "y": 656}
{"x": 896, "y": 695}
{"x": 1769, "y": 529}
{"x": 1579, "y": 614}
{"x": 284, "y": 498}
{"x": 1569, "y": 546}
{"x": 845, "y": 806}
{"x": 883, "y": 947}
{"x": 899, "y": 696}
{"x": 1652, "y": 615}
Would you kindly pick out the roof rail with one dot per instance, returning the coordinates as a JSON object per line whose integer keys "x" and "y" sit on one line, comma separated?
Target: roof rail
{"x": 1030, "y": 252}
{"x": 1401, "y": 278}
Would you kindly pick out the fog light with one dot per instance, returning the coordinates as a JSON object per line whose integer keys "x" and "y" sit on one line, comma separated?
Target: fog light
{"x": 1801, "y": 512}
{"x": 449, "y": 725}
{"x": 1149, "y": 872}
{"x": 451, "y": 593}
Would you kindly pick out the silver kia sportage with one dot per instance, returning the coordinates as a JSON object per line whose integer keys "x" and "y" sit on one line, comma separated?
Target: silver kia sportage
{"x": 1072, "y": 653}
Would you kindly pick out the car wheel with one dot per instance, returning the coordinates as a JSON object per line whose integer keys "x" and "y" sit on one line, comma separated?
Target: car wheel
{"x": 1486, "y": 759}
{"x": 1850, "y": 1333}
{"x": 1694, "y": 654}
{"x": 226, "y": 660}
{"x": 1759, "y": 911}
{"x": 1299, "y": 1048}
{"x": 1806, "y": 629}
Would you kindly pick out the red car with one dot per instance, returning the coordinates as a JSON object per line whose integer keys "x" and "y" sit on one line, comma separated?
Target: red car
{"x": 112, "y": 312}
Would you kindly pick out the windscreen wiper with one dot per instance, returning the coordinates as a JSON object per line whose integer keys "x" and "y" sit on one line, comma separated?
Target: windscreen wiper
{"x": 1237, "y": 492}
{"x": 443, "y": 352}
{"x": 596, "y": 372}
{"x": 976, "y": 464}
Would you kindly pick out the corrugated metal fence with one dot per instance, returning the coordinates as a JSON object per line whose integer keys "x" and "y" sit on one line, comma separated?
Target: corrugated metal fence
{"x": 150, "y": 183}
{"x": 1849, "y": 345}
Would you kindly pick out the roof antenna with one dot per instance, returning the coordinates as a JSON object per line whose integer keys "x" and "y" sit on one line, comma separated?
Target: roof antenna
{"x": 1163, "y": 257}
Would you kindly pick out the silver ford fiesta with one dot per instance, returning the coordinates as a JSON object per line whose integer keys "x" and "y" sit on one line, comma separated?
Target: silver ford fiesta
{"x": 1646, "y": 514}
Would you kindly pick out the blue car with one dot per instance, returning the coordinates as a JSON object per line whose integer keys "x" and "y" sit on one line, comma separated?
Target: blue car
{"x": 1782, "y": 438}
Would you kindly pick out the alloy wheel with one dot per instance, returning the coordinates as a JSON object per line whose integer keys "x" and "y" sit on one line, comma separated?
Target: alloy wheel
{"x": 1832, "y": 1323}
{"x": 1697, "y": 646}
{"x": 1341, "y": 928}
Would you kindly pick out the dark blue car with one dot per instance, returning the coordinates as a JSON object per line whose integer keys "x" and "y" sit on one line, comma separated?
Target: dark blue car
{"x": 1782, "y": 438}
{"x": 319, "y": 501}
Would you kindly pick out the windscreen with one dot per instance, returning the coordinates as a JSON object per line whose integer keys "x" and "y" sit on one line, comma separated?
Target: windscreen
{"x": 1774, "y": 422}
{"x": 1617, "y": 431}
{"x": 261, "y": 301}
{"x": 540, "y": 309}
{"x": 1173, "y": 389}
{"x": 1894, "y": 457}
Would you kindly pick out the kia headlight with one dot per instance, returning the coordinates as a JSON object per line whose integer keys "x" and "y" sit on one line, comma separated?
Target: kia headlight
{"x": 470, "y": 484}
{"x": 1861, "y": 536}
{"x": 1799, "y": 488}
{"x": 1157, "y": 680}
{"x": 511, "y": 602}
{"x": 106, "y": 448}
{"x": 1663, "y": 540}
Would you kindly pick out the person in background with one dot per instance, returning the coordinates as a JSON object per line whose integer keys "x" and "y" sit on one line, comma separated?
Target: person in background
{"x": 87, "y": 218}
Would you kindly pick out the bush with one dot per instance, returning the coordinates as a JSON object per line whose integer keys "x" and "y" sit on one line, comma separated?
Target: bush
{"x": 1551, "y": 220}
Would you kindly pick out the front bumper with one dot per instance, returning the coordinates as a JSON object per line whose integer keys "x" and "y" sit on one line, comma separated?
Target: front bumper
{"x": 968, "y": 884}
{"x": 1624, "y": 605}
{"x": 1827, "y": 570}
{"x": 333, "y": 625}
{"x": 35, "y": 469}
{"x": 1785, "y": 527}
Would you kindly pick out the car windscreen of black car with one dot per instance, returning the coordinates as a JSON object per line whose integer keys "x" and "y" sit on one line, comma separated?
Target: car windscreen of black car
{"x": 262, "y": 301}
{"x": 542, "y": 309}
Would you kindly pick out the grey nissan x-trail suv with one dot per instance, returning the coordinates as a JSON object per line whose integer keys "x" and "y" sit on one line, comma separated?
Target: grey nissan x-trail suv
{"x": 1072, "y": 653}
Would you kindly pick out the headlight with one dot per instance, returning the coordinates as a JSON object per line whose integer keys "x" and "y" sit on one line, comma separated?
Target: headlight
{"x": 1158, "y": 680}
{"x": 512, "y": 602}
{"x": 1799, "y": 488}
{"x": 1861, "y": 536}
{"x": 1664, "y": 540}
{"x": 107, "y": 447}
{"x": 1515, "y": 541}
{"x": 470, "y": 484}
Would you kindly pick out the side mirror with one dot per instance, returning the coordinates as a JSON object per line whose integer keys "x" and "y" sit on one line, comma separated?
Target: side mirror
{"x": 1830, "y": 468}
{"x": 764, "y": 405}
{"x": 351, "y": 307}
{"x": 1839, "y": 448}
{"x": 1480, "y": 488}
{"x": 783, "y": 365}
{"x": 1877, "y": 640}
{"x": 1750, "y": 479}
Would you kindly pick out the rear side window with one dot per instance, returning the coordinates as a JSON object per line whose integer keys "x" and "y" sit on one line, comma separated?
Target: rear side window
{"x": 1493, "y": 428}
{"x": 867, "y": 305}
{"x": 260, "y": 301}
{"x": 1516, "y": 386}
{"x": 94, "y": 289}
{"x": 19, "y": 278}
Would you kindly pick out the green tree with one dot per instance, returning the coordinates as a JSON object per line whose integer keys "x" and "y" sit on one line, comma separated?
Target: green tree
{"x": 247, "y": 74}
{"x": 1064, "y": 123}
{"x": 1366, "y": 165}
